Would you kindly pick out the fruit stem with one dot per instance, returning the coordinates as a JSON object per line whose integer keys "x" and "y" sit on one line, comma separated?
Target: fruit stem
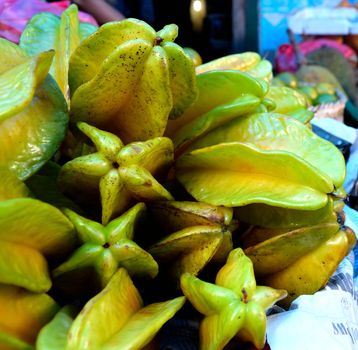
{"x": 244, "y": 295}
{"x": 158, "y": 40}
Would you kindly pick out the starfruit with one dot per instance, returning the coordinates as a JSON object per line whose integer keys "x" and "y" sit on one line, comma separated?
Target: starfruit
{"x": 275, "y": 217}
{"x": 33, "y": 111}
{"x": 11, "y": 187}
{"x": 22, "y": 315}
{"x": 129, "y": 79}
{"x": 223, "y": 95}
{"x": 263, "y": 70}
{"x": 249, "y": 62}
{"x": 277, "y": 132}
{"x": 235, "y": 174}
{"x": 46, "y": 31}
{"x": 113, "y": 319}
{"x": 240, "y": 61}
{"x": 232, "y": 307}
{"x": 290, "y": 102}
{"x": 272, "y": 250}
{"x": 31, "y": 230}
{"x": 176, "y": 215}
{"x": 120, "y": 174}
{"x": 312, "y": 271}
{"x": 107, "y": 248}
{"x": 191, "y": 249}
{"x": 196, "y": 234}
{"x": 53, "y": 336}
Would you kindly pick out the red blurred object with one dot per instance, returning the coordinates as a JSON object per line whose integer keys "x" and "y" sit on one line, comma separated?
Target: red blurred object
{"x": 286, "y": 60}
{"x": 14, "y": 15}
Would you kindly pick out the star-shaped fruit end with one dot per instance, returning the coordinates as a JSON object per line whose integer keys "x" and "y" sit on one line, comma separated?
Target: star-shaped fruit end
{"x": 234, "y": 306}
{"x": 109, "y": 247}
{"x": 121, "y": 174}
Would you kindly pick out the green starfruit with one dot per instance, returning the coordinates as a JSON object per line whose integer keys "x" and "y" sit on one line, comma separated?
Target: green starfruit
{"x": 232, "y": 307}
{"x": 120, "y": 174}
{"x": 290, "y": 102}
{"x": 46, "y": 31}
{"x": 276, "y": 132}
{"x": 217, "y": 88}
{"x": 22, "y": 315}
{"x": 29, "y": 231}
{"x": 191, "y": 249}
{"x": 235, "y": 174}
{"x": 33, "y": 111}
{"x": 107, "y": 248}
{"x": 275, "y": 217}
{"x": 113, "y": 319}
{"x": 272, "y": 250}
{"x": 128, "y": 79}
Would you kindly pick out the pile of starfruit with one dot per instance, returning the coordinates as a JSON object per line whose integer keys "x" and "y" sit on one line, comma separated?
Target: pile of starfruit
{"x": 135, "y": 186}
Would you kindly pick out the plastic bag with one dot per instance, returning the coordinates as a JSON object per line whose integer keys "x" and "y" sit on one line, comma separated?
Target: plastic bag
{"x": 14, "y": 15}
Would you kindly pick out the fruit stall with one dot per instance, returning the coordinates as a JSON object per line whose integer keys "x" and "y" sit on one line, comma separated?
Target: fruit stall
{"x": 150, "y": 200}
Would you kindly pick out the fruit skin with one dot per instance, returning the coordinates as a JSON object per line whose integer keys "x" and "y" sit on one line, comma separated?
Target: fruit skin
{"x": 287, "y": 99}
{"x": 189, "y": 250}
{"x": 232, "y": 307}
{"x": 157, "y": 80}
{"x": 216, "y": 90}
{"x": 46, "y": 31}
{"x": 274, "y": 250}
{"x": 279, "y": 132}
{"x": 267, "y": 216}
{"x": 33, "y": 111}
{"x": 24, "y": 313}
{"x": 289, "y": 79}
{"x": 194, "y": 55}
{"x": 116, "y": 319}
{"x": 224, "y": 174}
{"x": 312, "y": 271}
{"x": 242, "y": 61}
{"x": 31, "y": 230}
{"x": 176, "y": 215}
